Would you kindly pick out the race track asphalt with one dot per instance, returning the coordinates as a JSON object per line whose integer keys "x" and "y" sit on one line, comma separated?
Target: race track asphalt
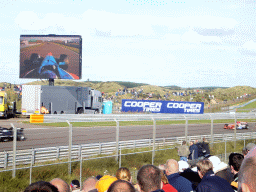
{"x": 42, "y": 136}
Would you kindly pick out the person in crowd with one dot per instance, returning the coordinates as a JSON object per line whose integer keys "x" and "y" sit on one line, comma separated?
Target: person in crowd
{"x": 193, "y": 151}
{"x": 180, "y": 183}
{"x": 165, "y": 184}
{"x": 200, "y": 149}
{"x": 183, "y": 151}
{"x": 221, "y": 169}
{"x": 246, "y": 175}
{"x": 89, "y": 185}
{"x": 123, "y": 173}
{"x": 149, "y": 179}
{"x": 98, "y": 177}
{"x": 248, "y": 147}
{"x": 235, "y": 162}
{"x": 186, "y": 172}
{"x": 75, "y": 185}
{"x": 103, "y": 184}
{"x": 41, "y": 186}
{"x": 210, "y": 182}
{"x": 60, "y": 184}
{"x": 121, "y": 186}
{"x": 205, "y": 145}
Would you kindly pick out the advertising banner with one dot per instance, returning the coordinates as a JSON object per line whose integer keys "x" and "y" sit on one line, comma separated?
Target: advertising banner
{"x": 153, "y": 106}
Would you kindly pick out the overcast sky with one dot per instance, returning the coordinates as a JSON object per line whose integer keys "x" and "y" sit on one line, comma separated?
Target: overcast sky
{"x": 188, "y": 43}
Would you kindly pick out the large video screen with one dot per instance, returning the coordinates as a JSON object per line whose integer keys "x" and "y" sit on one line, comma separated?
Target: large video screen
{"x": 50, "y": 56}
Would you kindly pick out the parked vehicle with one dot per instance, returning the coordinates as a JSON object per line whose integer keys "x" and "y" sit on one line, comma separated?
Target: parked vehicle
{"x": 6, "y": 134}
{"x": 7, "y": 108}
{"x": 38, "y": 99}
{"x": 239, "y": 125}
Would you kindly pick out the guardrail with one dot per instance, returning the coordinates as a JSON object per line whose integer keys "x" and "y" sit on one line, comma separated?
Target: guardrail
{"x": 87, "y": 151}
{"x": 140, "y": 117}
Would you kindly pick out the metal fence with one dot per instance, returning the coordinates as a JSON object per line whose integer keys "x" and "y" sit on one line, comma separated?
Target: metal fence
{"x": 72, "y": 153}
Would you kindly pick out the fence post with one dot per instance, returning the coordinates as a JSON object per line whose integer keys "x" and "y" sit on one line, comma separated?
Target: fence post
{"x": 134, "y": 146}
{"x": 117, "y": 139}
{"x": 14, "y": 150}
{"x": 100, "y": 148}
{"x": 31, "y": 165}
{"x": 58, "y": 152}
{"x": 212, "y": 139}
{"x": 81, "y": 168}
{"x": 33, "y": 156}
{"x": 154, "y": 140}
{"x": 120, "y": 157}
{"x": 235, "y": 134}
{"x": 225, "y": 149}
{"x": 80, "y": 151}
{"x": 186, "y": 128}
{"x": 69, "y": 147}
{"x": 5, "y": 160}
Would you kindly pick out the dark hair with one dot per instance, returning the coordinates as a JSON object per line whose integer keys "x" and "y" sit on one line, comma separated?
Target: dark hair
{"x": 41, "y": 186}
{"x": 236, "y": 159}
{"x": 75, "y": 182}
{"x": 149, "y": 178}
{"x": 120, "y": 186}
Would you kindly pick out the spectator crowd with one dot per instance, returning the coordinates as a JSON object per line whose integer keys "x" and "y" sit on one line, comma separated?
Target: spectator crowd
{"x": 197, "y": 170}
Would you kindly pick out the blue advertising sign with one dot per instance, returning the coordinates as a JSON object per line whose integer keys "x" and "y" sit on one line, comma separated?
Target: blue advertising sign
{"x": 129, "y": 105}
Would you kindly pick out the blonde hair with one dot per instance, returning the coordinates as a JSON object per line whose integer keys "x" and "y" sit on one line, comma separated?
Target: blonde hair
{"x": 204, "y": 166}
{"x": 123, "y": 173}
{"x": 164, "y": 178}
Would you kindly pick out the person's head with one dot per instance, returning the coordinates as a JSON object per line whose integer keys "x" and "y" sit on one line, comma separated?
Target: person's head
{"x": 249, "y": 147}
{"x": 121, "y": 186}
{"x": 75, "y": 184}
{"x": 123, "y": 173}
{"x": 246, "y": 174}
{"x": 203, "y": 166}
{"x": 183, "y": 165}
{"x": 60, "y": 184}
{"x": 149, "y": 178}
{"x": 164, "y": 178}
{"x": 90, "y": 184}
{"x": 171, "y": 167}
{"x": 235, "y": 162}
{"x": 196, "y": 141}
{"x": 184, "y": 142}
{"x": 41, "y": 186}
{"x": 191, "y": 143}
{"x": 103, "y": 184}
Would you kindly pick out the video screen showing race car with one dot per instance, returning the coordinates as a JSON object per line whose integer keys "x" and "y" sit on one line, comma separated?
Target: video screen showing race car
{"x": 50, "y": 56}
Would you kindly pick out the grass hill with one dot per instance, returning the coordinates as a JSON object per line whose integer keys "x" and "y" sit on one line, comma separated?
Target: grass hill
{"x": 213, "y": 97}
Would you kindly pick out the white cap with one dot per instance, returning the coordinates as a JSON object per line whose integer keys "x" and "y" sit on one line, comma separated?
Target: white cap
{"x": 217, "y": 164}
{"x": 183, "y": 165}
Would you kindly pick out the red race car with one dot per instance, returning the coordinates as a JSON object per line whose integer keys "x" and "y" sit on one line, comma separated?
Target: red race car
{"x": 239, "y": 125}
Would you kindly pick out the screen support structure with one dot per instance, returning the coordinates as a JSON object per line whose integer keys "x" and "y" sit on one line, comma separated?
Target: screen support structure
{"x": 51, "y": 82}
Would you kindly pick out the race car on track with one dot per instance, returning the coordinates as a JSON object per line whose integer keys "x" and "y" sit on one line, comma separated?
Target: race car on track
{"x": 48, "y": 67}
{"x": 6, "y": 134}
{"x": 239, "y": 125}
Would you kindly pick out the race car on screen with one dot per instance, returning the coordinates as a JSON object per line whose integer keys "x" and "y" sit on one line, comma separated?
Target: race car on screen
{"x": 239, "y": 125}
{"x": 48, "y": 67}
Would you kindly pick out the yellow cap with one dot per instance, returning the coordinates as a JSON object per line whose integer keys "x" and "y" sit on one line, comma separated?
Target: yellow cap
{"x": 103, "y": 184}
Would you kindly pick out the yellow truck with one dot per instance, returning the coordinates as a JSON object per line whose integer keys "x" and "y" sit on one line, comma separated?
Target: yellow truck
{"x": 7, "y": 108}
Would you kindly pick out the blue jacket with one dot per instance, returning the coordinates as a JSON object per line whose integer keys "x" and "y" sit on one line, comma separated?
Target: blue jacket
{"x": 180, "y": 183}
{"x": 213, "y": 183}
{"x": 193, "y": 152}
